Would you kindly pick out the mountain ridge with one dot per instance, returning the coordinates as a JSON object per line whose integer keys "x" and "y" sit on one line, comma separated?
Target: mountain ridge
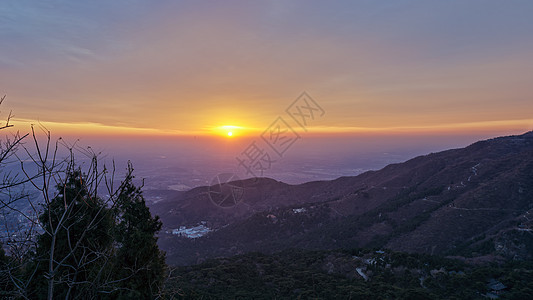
{"x": 476, "y": 199}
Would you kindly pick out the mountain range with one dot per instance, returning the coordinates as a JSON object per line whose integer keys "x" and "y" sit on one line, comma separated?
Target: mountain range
{"x": 475, "y": 202}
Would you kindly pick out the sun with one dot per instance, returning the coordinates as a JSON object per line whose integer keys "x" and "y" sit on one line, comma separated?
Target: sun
{"x": 229, "y": 131}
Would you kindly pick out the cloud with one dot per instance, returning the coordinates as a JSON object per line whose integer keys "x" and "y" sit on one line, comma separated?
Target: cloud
{"x": 189, "y": 65}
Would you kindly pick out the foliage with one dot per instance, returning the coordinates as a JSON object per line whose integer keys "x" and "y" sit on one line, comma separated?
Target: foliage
{"x": 66, "y": 241}
{"x": 97, "y": 251}
{"x": 138, "y": 258}
{"x": 298, "y": 274}
{"x": 76, "y": 237}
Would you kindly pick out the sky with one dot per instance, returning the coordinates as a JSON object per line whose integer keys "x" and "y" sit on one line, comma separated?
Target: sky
{"x": 139, "y": 67}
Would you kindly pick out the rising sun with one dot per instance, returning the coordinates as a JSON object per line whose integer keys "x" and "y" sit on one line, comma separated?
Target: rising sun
{"x": 229, "y": 131}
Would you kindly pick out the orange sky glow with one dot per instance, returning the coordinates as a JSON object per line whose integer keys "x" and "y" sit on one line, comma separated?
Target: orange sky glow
{"x": 188, "y": 69}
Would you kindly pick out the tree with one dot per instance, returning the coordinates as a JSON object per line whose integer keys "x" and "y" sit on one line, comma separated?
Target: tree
{"x": 76, "y": 244}
{"x": 11, "y": 193}
{"x": 138, "y": 258}
{"x": 97, "y": 251}
{"x": 5, "y": 284}
{"x": 68, "y": 241}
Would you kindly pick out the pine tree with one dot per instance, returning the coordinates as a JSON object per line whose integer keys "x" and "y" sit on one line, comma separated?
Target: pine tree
{"x": 91, "y": 248}
{"x": 138, "y": 259}
{"x": 74, "y": 249}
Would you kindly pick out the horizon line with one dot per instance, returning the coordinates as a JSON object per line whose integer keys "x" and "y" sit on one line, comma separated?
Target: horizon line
{"x": 100, "y": 129}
